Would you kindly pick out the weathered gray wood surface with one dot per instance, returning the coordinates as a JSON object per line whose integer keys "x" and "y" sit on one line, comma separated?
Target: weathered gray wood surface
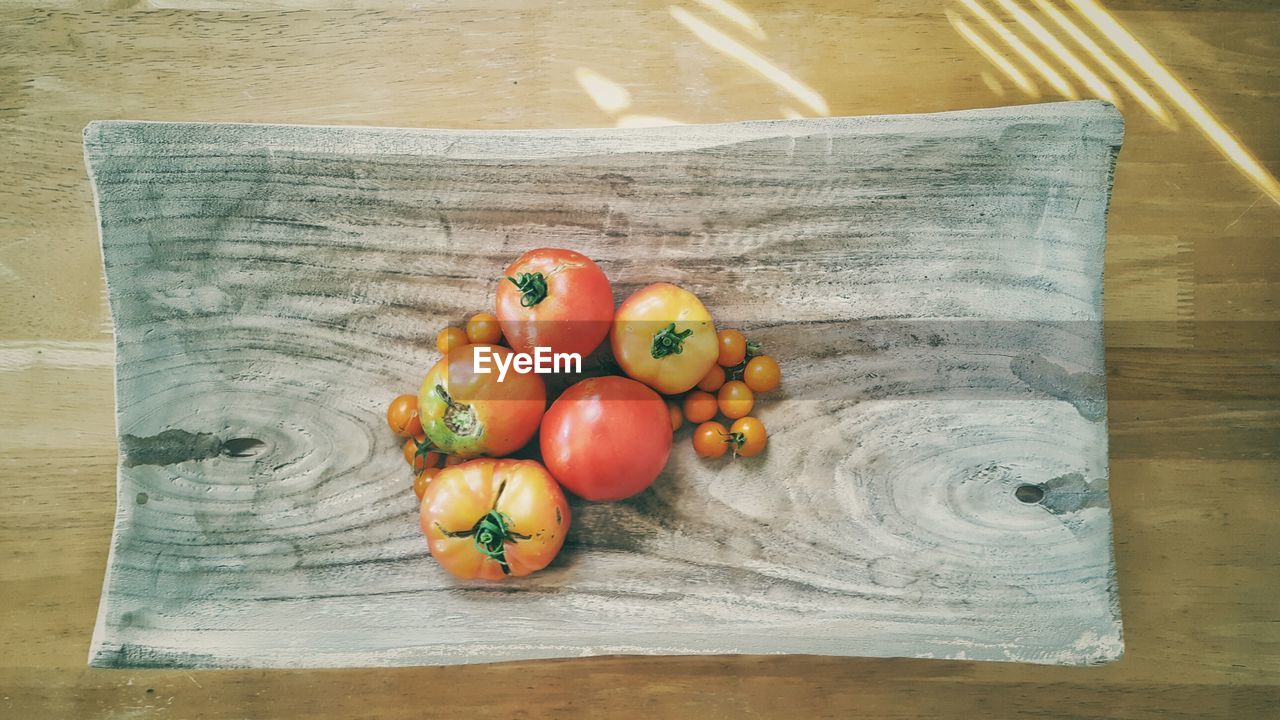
{"x": 931, "y": 285}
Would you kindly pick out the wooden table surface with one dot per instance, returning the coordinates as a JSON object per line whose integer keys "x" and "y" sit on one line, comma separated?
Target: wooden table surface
{"x": 1192, "y": 281}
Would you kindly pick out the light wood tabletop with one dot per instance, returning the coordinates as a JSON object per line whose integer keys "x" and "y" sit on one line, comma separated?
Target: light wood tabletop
{"x": 1191, "y": 285}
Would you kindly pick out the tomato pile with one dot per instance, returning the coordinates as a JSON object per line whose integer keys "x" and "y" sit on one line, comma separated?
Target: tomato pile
{"x": 489, "y": 516}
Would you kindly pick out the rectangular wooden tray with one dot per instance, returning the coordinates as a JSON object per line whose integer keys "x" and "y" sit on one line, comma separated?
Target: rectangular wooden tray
{"x": 930, "y": 284}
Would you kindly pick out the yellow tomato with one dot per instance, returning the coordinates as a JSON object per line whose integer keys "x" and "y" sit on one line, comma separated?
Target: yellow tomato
{"x": 663, "y": 336}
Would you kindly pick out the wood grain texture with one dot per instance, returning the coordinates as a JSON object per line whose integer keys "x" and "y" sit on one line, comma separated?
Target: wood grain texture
{"x": 933, "y": 285}
{"x": 1189, "y": 246}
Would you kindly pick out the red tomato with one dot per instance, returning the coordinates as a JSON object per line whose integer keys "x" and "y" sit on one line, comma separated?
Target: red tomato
{"x": 467, "y": 412}
{"x": 558, "y": 299}
{"x": 489, "y": 519}
{"x": 606, "y": 438}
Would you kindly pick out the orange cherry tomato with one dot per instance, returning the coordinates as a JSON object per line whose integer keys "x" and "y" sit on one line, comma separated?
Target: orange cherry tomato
{"x": 762, "y": 374}
{"x": 484, "y": 328}
{"x": 418, "y": 453}
{"x": 451, "y": 460}
{"x": 677, "y": 415}
{"x": 747, "y": 437}
{"x": 733, "y": 347}
{"x": 402, "y": 416}
{"x": 713, "y": 380}
{"x": 449, "y": 338}
{"x": 492, "y": 519}
{"x": 710, "y": 440}
{"x": 423, "y": 479}
{"x": 699, "y": 406}
{"x": 735, "y": 399}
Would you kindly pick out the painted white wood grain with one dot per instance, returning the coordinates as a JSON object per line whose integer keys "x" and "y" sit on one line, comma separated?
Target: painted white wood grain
{"x": 931, "y": 285}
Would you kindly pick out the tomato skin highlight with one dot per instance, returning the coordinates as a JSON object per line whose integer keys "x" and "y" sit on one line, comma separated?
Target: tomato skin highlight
{"x": 534, "y": 518}
{"x": 606, "y": 438}
{"x": 402, "y": 416}
{"x": 735, "y": 399}
{"x": 469, "y": 413}
{"x": 710, "y": 440}
{"x": 422, "y": 480}
{"x": 574, "y": 302}
{"x": 762, "y": 374}
{"x": 664, "y": 337}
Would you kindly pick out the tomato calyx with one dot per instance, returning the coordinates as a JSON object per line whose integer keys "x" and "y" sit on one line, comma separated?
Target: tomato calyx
{"x": 669, "y": 342}
{"x": 735, "y": 441}
{"x": 491, "y": 533}
{"x": 532, "y": 286}
{"x": 458, "y": 417}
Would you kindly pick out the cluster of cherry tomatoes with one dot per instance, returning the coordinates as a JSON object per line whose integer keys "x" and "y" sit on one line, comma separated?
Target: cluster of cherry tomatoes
{"x": 486, "y": 515}
{"x": 402, "y": 413}
{"x": 729, "y": 387}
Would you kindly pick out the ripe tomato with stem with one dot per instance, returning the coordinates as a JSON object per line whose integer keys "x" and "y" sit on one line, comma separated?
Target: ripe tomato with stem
{"x": 490, "y": 519}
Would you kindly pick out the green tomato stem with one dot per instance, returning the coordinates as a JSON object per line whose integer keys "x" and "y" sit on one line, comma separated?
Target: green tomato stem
{"x": 491, "y": 533}
{"x": 422, "y": 447}
{"x": 669, "y": 342}
{"x": 532, "y": 286}
{"x": 735, "y": 441}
